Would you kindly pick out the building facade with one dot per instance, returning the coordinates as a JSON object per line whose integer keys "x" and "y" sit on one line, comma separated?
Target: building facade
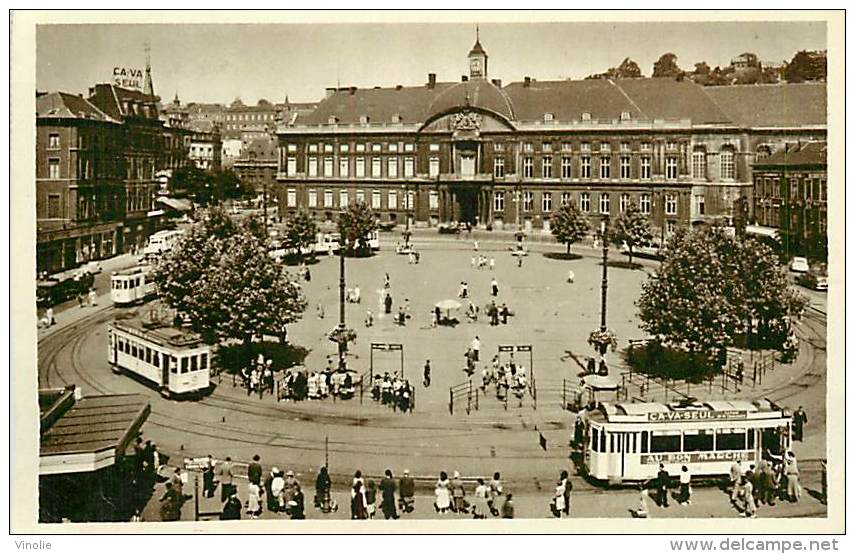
{"x": 474, "y": 151}
{"x": 791, "y": 197}
{"x": 257, "y": 166}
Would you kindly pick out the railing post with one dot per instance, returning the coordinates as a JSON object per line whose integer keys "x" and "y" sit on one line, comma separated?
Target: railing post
{"x": 195, "y": 497}
{"x": 451, "y": 400}
{"x": 476, "y": 399}
{"x": 469, "y": 398}
{"x": 563, "y": 393}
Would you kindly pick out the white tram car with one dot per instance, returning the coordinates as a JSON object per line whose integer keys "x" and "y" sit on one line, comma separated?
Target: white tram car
{"x": 176, "y": 361}
{"x": 131, "y": 286}
{"x": 162, "y": 242}
{"x": 627, "y": 441}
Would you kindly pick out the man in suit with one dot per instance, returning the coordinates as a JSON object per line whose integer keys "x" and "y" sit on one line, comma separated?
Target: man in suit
{"x": 663, "y": 483}
{"x": 254, "y": 471}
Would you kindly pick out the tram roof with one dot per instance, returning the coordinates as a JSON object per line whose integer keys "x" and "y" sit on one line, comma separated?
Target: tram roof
{"x": 166, "y": 335}
{"x": 136, "y": 270}
{"x": 675, "y": 412}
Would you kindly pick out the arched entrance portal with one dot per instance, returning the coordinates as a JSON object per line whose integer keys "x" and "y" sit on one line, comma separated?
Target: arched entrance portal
{"x": 467, "y": 203}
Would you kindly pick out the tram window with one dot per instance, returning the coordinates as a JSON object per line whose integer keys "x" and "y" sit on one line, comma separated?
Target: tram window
{"x": 603, "y": 441}
{"x": 595, "y": 439}
{"x": 184, "y": 365}
{"x": 173, "y": 366}
{"x": 665, "y": 441}
{"x": 147, "y": 355}
{"x": 194, "y": 363}
{"x": 644, "y": 439}
{"x": 751, "y": 434}
{"x": 155, "y": 358}
{"x": 698, "y": 440}
{"x": 632, "y": 445}
{"x": 203, "y": 361}
{"x": 730, "y": 439}
{"x": 134, "y": 349}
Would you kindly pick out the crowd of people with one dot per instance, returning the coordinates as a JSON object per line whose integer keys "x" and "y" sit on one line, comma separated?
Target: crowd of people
{"x": 507, "y": 377}
{"x": 393, "y": 391}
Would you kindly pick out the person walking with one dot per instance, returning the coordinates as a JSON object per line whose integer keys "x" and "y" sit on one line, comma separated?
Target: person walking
{"x": 369, "y": 319}
{"x": 749, "y": 505}
{"x": 357, "y": 501}
{"x": 426, "y": 380}
{"x": 387, "y": 495}
{"x": 323, "y": 484}
{"x": 253, "y": 502}
{"x": 254, "y": 470}
{"x": 370, "y": 499}
{"x": 458, "y": 495}
{"x": 226, "y": 474}
{"x": 475, "y": 245}
{"x": 272, "y": 498}
{"x": 480, "y": 508}
{"x": 663, "y": 483}
{"x": 170, "y": 503}
{"x": 494, "y": 287}
{"x": 208, "y": 477}
{"x": 49, "y": 317}
{"x": 495, "y": 493}
{"x": 568, "y": 488}
{"x": 558, "y": 504}
{"x": 407, "y": 492}
{"x": 320, "y": 310}
{"x": 685, "y": 486}
{"x": 442, "y": 494}
{"x": 93, "y": 297}
{"x": 735, "y": 479}
{"x": 799, "y": 421}
{"x": 508, "y": 507}
{"x": 387, "y": 303}
{"x": 476, "y": 348}
{"x": 791, "y": 470}
{"x": 571, "y": 276}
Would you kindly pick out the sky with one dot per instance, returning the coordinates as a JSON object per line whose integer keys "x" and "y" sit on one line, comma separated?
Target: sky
{"x": 221, "y": 62}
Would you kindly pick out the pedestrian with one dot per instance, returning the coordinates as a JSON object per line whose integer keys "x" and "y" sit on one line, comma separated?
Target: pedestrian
{"x": 407, "y": 492}
{"x": 387, "y": 494}
{"x": 208, "y": 477}
{"x": 370, "y": 499}
{"x": 685, "y": 486}
{"x": 388, "y": 303}
{"x": 231, "y": 507}
{"x": 170, "y": 504}
{"x": 93, "y": 297}
{"x": 369, "y": 319}
{"x": 735, "y": 479}
{"x": 568, "y": 487}
{"x": 253, "y": 502}
{"x": 557, "y": 505}
{"x": 272, "y": 498}
{"x": 799, "y": 421}
{"x": 387, "y": 281}
{"x": 320, "y": 311}
{"x": 426, "y": 381}
{"x": 641, "y": 511}
{"x": 49, "y": 316}
{"x": 227, "y": 487}
{"x": 476, "y": 348}
{"x": 571, "y": 276}
{"x": 323, "y": 484}
{"x": 791, "y": 470}
{"x": 442, "y": 494}
{"x": 80, "y": 299}
{"x": 254, "y": 470}
{"x": 177, "y": 483}
{"x": 494, "y": 287}
{"x": 357, "y": 502}
{"x": 458, "y": 495}
{"x": 519, "y": 261}
{"x": 480, "y": 508}
{"x": 749, "y": 506}
{"x": 505, "y": 313}
{"x": 475, "y": 245}
{"x": 770, "y": 486}
{"x": 296, "y": 507}
{"x": 495, "y": 492}
{"x": 277, "y": 493}
{"x": 307, "y": 275}
{"x": 663, "y": 483}
{"x": 492, "y": 263}
{"x": 493, "y": 312}
{"x": 508, "y": 507}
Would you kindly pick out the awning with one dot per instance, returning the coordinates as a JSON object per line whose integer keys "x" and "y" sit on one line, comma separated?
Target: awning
{"x": 178, "y": 204}
{"x": 90, "y": 433}
{"x": 759, "y": 230}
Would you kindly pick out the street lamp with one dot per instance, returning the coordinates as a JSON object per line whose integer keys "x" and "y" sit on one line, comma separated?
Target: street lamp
{"x": 342, "y": 329}
{"x": 604, "y": 227}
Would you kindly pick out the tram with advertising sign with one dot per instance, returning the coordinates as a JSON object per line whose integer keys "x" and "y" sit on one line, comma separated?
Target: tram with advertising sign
{"x": 175, "y": 361}
{"x": 131, "y": 286}
{"x": 626, "y": 442}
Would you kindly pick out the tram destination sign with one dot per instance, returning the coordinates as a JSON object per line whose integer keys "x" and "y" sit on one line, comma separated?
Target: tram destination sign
{"x": 698, "y": 457}
{"x": 697, "y": 415}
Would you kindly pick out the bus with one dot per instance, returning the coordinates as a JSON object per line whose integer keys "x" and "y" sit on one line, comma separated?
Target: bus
{"x": 175, "y": 361}
{"x": 626, "y": 442}
{"x": 161, "y": 242}
{"x": 131, "y": 286}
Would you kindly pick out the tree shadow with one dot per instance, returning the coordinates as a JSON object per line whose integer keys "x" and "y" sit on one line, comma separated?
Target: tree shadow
{"x": 234, "y": 357}
{"x": 293, "y": 259}
{"x": 563, "y": 256}
{"x": 622, "y": 264}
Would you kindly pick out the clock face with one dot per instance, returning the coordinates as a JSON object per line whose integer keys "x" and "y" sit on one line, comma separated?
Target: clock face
{"x": 476, "y": 65}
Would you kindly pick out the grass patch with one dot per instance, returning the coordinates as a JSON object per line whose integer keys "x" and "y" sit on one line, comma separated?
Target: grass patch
{"x": 623, "y": 264}
{"x": 564, "y": 256}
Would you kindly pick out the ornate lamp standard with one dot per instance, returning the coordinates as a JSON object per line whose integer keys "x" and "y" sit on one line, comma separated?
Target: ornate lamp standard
{"x": 341, "y": 335}
{"x": 602, "y": 338}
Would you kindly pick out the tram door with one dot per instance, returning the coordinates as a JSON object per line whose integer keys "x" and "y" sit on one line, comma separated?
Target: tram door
{"x": 112, "y": 346}
{"x": 618, "y": 448}
{"x": 164, "y": 369}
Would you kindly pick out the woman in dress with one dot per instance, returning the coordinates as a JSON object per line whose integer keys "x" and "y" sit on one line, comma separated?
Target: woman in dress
{"x": 253, "y": 502}
{"x": 357, "y": 501}
{"x": 479, "y": 507}
{"x": 370, "y": 499}
{"x": 443, "y": 494}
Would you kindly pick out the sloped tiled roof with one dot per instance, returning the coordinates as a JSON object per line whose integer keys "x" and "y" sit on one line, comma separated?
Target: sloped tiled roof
{"x": 65, "y": 105}
{"x": 669, "y": 99}
{"x": 568, "y": 100}
{"x": 379, "y": 104}
{"x": 478, "y": 93}
{"x": 261, "y": 149}
{"x": 809, "y": 153}
{"x": 783, "y": 105}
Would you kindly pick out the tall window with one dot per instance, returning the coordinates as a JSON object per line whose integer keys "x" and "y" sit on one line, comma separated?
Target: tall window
{"x": 53, "y": 141}
{"x": 292, "y": 198}
{"x": 375, "y": 167}
{"x": 728, "y": 169}
{"x": 433, "y": 169}
{"x": 53, "y": 168}
{"x": 566, "y": 167}
{"x": 528, "y": 201}
{"x": 566, "y": 198}
{"x": 328, "y": 199}
{"x": 527, "y": 147}
{"x": 375, "y": 199}
{"x": 624, "y": 167}
{"x": 699, "y": 204}
{"x": 499, "y": 201}
{"x": 313, "y": 198}
{"x": 292, "y": 165}
{"x": 546, "y": 202}
{"x": 360, "y": 167}
{"x": 671, "y": 204}
{"x": 605, "y": 166}
{"x": 313, "y": 167}
{"x": 585, "y": 202}
{"x": 342, "y": 198}
{"x": 699, "y": 164}
{"x": 54, "y": 207}
{"x": 393, "y": 168}
{"x": 586, "y": 167}
{"x": 393, "y": 200}
{"x": 343, "y": 167}
{"x": 645, "y": 167}
{"x": 644, "y": 204}
{"x": 604, "y": 203}
{"x": 328, "y": 166}
{"x": 547, "y": 166}
{"x": 671, "y": 167}
{"x": 360, "y": 196}
{"x": 624, "y": 202}
{"x": 498, "y": 167}
{"x": 528, "y": 167}
{"x": 409, "y": 166}
{"x": 433, "y": 200}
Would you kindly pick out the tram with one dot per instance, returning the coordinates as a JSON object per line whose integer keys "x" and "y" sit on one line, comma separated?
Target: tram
{"x": 131, "y": 286}
{"x": 626, "y": 442}
{"x": 162, "y": 242}
{"x": 177, "y": 362}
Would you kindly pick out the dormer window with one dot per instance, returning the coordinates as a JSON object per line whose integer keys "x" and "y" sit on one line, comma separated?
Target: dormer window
{"x": 332, "y": 120}
{"x": 363, "y": 120}
{"x": 548, "y": 116}
{"x": 586, "y": 116}
{"x": 396, "y": 118}
{"x": 625, "y": 116}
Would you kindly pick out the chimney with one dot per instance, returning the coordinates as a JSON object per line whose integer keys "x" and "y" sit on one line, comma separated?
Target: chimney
{"x": 527, "y": 81}
{"x": 399, "y": 87}
{"x": 497, "y": 82}
{"x": 352, "y": 91}
{"x": 463, "y": 78}
{"x": 431, "y": 80}
{"x": 329, "y": 92}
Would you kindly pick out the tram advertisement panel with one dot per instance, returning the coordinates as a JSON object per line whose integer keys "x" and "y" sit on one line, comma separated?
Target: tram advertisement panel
{"x": 697, "y": 415}
{"x": 698, "y": 457}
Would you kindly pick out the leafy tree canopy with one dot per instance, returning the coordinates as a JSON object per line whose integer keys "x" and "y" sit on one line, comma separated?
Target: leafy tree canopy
{"x": 633, "y": 228}
{"x": 300, "y": 231}
{"x": 355, "y": 224}
{"x": 569, "y": 225}
{"x": 666, "y": 66}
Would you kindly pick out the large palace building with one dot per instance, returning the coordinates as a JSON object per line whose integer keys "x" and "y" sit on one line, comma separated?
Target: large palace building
{"x": 508, "y": 156}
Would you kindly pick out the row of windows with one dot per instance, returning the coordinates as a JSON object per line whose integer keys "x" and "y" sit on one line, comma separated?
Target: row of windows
{"x": 392, "y": 169}
{"x": 155, "y": 358}
{"x": 654, "y": 442}
{"x": 408, "y": 200}
{"x": 727, "y": 167}
{"x": 251, "y": 117}
{"x": 583, "y": 202}
{"x": 804, "y": 188}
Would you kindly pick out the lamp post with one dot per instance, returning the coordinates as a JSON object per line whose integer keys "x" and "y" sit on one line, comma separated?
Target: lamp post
{"x": 342, "y": 343}
{"x": 604, "y": 227}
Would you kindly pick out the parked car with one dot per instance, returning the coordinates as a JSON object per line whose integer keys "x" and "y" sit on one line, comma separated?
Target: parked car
{"x": 813, "y": 280}
{"x": 799, "y": 265}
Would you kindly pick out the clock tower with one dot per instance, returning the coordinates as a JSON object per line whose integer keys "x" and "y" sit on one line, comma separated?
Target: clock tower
{"x": 477, "y": 60}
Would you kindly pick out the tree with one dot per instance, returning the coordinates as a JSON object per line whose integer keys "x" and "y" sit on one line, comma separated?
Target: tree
{"x": 807, "y": 66}
{"x": 355, "y": 224}
{"x": 628, "y": 69}
{"x": 701, "y": 68}
{"x": 221, "y": 277}
{"x": 189, "y": 181}
{"x": 667, "y": 66}
{"x": 300, "y": 232}
{"x": 569, "y": 225}
{"x": 633, "y": 228}
{"x": 226, "y": 185}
